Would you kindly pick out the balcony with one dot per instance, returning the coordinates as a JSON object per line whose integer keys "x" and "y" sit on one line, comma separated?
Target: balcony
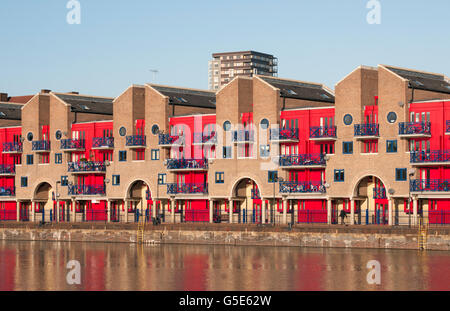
{"x": 367, "y": 131}
{"x": 187, "y": 164}
{"x": 7, "y": 170}
{"x": 284, "y": 136}
{"x": 86, "y": 167}
{"x": 103, "y": 143}
{"x": 187, "y": 188}
{"x": 430, "y": 185}
{"x": 7, "y": 191}
{"x": 41, "y": 146}
{"x": 299, "y": 187}
{"x": 379, "y": 193}
{"x": 255, "y": 194}
{"x": 447, "y": 127}
{"x": 205, "y": 139}
{"x": 12, "y": 147}
{"x": 77, "y": 190}
{"x": 323, "y": 133}
{"x": 302, "y": 161}
{"x": 243, "y": 137}
{"x": 167, "y": 140}
{"x": 414, "y": 129}
{"x": 430, "y": 158}
{"x": 136, "y": 141}
{"x": 69, "y": 145}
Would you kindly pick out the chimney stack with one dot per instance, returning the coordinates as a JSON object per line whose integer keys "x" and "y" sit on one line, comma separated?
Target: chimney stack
{"x": 3, "y": 97}
{"x": 44, "y": 91}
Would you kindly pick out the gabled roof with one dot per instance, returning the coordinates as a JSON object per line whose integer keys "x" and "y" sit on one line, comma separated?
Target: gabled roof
{"x": 10, "y": 111}
{"x": 423, "y": 80}
{"x": 87, "y": 104}
{"x": 300, "y": 90}
{"x": 187, "y": 97}
{"x": 20, "y": 99}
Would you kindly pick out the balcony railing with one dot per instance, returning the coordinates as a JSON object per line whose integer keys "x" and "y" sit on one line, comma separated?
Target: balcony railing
{"x": 363, "y": 130}
{"x": 255, "y": 194}
{"x": 7, "y": 191}
{"x": 321, "y": 132}
{"x": 167, "y": 139}
{"x": 87, "y": 190}
{"x": 286, "y": 134}
{"x": 136, "y": 141}
{"x": 103, "y": 142}
{"x": 86, "y": 167}
{"x": 40, "y": 145}
{"x": 12, "y": 147}
{"x": 302, "y": 187}
{"x": 186, "y": 164}
{"x": 447, "y": 126}
{"x": 414, "y": 128}
{"x": 379, "y": 193}
{"x": 187, "y": 188}
{"x": 302, "y": 160}
{"x": 200, "y": 138}
{"x": 73, "y": 144}
{"x": 7, "y": 169}
{"x": 243, "y": 136}
{"x": 430, "y": 185}
{"x": 434, "y": 156}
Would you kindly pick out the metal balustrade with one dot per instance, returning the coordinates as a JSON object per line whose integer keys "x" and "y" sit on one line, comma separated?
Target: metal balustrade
{"x": 370, "y": 129}
{"x": 414, "y": 128}
{"x": 7, "y": 169}
{"x": 73, "y": 144}
{"x": 302, "y": 160}
{"x": 447, "y": 126}
{"x": 317, "y": 132}
{"x": 103, "y": 142}
{"x": 7, "y": 191}
{"x": 200, "y": 138}
{"x": 430, "y": 185}
{"x": 284, "y": 134}
{"x": 87, "y": 190}
{"x": 302, "y": 187}
{"x": 243, "y": 136}
{"x": 255, "y": 194}
{"x": 379, "y": 193}
{"x": 136, "y": 141}
{"x": 12, "y": 147}
{"x": 191, "y": 188}
{"x": 86, "y": 166}
{"x": 174, "y": 164}
{"x": 435, "y": 156}
{"x": 167, "y": 139}
{"x": 40, "y": 145}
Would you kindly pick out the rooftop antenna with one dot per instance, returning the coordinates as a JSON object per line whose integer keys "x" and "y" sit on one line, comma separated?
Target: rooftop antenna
{"x": 154, "y": 71}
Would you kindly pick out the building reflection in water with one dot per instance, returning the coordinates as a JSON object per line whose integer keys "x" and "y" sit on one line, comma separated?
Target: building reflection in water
{"x": 42, "y": 266}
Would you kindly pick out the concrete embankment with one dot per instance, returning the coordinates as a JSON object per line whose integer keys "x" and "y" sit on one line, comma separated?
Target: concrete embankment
{"x": 223, "y": 234}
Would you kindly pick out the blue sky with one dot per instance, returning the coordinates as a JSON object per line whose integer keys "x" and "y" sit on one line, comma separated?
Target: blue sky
{"x": 118, "y": 42}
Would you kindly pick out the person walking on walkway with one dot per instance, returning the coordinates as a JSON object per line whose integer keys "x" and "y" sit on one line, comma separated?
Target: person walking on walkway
{"x": 343, "y": 215}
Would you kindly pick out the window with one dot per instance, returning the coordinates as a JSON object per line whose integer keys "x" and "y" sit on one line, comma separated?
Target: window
{"x": 122, "y": 156}
{"x": 227, "y": 152}
{"x": 371, "y": 146}
{"x": 64, "y": 181}
{"x": 58, "y": 158}
{"x": 139, "y": 155}
{"x": 264, "y": 151}
{"x": 272, "y": 176}
{"x": 29, "y": 159}
{"x": 338, "y": 175}
{"x": 227, "y": 126}
{"x": 400, "y": 174}
{"x": 116, "y": 180}
{"x": 155, "y": 154}
{"x": 391, "y": 146}
{"x": 24, "y": 182}
{"x": 327, "y": 148}
{"x": 44, "y": 158}
{"x": 347, "y": 147}
{"x": 220, "y": 177}
{"x": 162, "y": 179}
{"x": 108, "y": 156}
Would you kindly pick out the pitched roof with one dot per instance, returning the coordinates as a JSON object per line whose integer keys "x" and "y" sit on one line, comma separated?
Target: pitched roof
{"x": 187, "y": 97}
{"x": 88, "y": 104}
{"x": 20, "y": 99}
{"x": 423, "y": 80}
{"x": 10, "y": 111}
{"x": 300, "y": 90}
